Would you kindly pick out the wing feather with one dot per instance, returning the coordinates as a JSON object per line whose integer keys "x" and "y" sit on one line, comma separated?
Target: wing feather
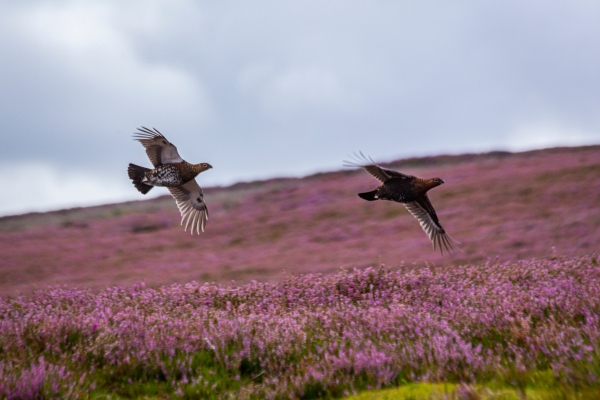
{"x": 158, "y": 148}
{"x": 425, "y": 214}
{"x": 381, "y": 174}
{"x": 190, "y": 201}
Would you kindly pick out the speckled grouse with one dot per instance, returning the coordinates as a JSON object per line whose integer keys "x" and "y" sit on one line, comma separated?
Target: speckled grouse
{"x": 410, "y": 191}
{"x": 171, "y": 171}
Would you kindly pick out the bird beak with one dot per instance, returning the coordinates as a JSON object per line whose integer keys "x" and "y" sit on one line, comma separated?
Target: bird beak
{"x": 442, "y": 181}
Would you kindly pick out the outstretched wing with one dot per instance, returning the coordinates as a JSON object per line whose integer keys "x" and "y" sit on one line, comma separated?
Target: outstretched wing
{"x": 367, "y": 163}
{"x": 423, "y": 211}
{"x": 190, "y": 201}
{"x": 158, "y": 148}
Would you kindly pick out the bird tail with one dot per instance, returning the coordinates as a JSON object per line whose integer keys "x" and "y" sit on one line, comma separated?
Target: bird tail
{"x": 369, "y": 196}
{"x": 136, "y": 174}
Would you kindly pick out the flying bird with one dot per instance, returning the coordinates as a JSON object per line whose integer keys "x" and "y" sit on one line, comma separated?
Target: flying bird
{"x": 410, "y": 191}
{"x": 174, "y": 173}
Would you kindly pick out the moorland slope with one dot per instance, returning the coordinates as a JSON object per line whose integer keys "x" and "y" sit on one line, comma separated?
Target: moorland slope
{"x": 501, "y": 205}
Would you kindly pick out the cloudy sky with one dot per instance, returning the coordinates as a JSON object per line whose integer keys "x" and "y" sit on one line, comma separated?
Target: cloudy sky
{"x": 270, "y": 88}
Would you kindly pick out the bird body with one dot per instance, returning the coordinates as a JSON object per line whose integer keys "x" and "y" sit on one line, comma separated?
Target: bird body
{"x": 410, "y": 191}
{"x": 401, "y": 190}
{"x": 173, "y": 172}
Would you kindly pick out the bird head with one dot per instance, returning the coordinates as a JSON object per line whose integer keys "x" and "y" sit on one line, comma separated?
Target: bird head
{"x": 436, "y": 182}
{"x": 202, "y": 167}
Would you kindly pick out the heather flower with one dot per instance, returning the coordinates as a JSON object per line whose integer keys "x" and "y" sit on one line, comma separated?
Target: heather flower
{"x": 310, "y": 334}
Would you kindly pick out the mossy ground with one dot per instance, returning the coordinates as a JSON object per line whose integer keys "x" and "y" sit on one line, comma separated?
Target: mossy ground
{"x": 533, "y": 386}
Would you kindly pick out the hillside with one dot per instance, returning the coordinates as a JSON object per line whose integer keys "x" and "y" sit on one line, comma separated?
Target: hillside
{"x": 499, "y": 205}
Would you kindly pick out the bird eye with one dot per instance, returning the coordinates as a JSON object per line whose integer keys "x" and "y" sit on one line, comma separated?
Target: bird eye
{"x": 204, "y": 165}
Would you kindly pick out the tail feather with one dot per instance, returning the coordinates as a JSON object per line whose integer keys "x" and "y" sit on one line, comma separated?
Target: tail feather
{"x": 142, "y": 187}
{"x": 136, "y": 174}
{"x": 369, "y": 196}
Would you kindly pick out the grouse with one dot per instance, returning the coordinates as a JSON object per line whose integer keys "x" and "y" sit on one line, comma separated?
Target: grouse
{"x": 410, "y": 191}
{"x": 173, "y": 172}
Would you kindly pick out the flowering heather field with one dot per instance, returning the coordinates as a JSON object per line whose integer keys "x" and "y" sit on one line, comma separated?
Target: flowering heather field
{"x": 310, "y": 336}
{"x": 510, "y": 206}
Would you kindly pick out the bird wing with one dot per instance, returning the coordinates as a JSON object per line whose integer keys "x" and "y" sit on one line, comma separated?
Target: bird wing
{"x": 158, "y": 148}
{"x": 381, "y": 174}
{"x": 423, "y": 211}
{"x": 190, "y": 201}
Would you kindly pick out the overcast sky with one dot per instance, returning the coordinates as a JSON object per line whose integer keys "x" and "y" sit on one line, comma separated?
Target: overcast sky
{"x": 270, "y": 88}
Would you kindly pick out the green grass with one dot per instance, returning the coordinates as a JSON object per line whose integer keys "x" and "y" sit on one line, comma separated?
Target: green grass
{"x": 136, "y": 382}
{"x": 428, "y": 391}
{"x": 218, "y": 382}
{"x": 535, "y": 386}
